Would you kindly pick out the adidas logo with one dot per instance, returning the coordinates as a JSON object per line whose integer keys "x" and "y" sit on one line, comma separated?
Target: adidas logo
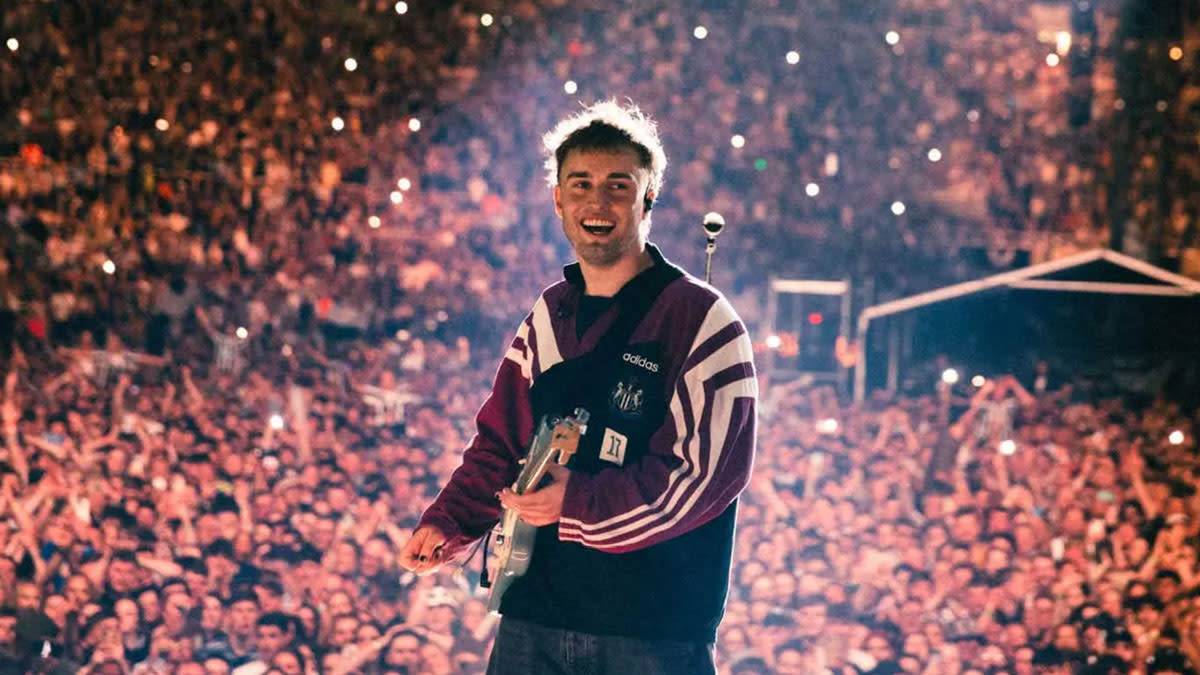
{"x": 640, "y": 361}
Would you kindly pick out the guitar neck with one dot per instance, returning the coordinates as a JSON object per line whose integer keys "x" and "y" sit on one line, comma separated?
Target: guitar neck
{"x": 537, "y": 459}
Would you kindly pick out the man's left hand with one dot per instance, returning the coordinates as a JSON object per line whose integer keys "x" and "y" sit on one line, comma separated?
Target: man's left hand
{"x": 540, "y": 507}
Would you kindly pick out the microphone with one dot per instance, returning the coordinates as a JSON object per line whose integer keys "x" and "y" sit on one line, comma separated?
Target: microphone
{"x": 713, "y": 224}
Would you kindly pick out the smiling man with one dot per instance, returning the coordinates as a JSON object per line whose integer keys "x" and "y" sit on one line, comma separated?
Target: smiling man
{"x": 631, "y": 561}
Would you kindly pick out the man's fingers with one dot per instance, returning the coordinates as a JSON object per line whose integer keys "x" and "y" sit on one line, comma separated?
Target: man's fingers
{"x": 423, "y": 551}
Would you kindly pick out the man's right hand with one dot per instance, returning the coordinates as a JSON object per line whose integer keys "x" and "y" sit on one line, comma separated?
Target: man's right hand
{"x": 423, "y": 553}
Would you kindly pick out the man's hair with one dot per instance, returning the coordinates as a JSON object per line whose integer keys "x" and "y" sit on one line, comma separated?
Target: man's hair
{"x": 278, "y": 619}
{"x": 242, "y": 596}
{"x": 607, "y": 126}
{"x": 403, "y": 632}
{"x": 798, "y": 645}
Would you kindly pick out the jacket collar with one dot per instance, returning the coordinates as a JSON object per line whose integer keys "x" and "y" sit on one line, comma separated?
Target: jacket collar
{"x": 660, "y": 268}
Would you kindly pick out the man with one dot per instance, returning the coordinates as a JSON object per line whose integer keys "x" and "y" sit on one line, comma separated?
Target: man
{"x": 241, "y": 621}
{"x": 273, "y": 634}
{"x": 631, "y": 562}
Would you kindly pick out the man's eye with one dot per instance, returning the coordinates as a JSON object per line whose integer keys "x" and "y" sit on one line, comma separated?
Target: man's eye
{"x": 581, "y": 185}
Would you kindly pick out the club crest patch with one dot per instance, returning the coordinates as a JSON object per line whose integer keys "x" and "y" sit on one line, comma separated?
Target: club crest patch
{"x": 627, "y": 398}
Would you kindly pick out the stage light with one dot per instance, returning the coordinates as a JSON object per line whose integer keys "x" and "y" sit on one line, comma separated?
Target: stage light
{"x": 700, "y": 32}
{"x": 935, "y": 155}
{"x": 338, "y": 124}
{"x": 1062, "y": 42}
{"x": 276, "y": 421}
{"x": 774, "y": 342}
{"x": 1161, "y": 106}
{"x": 1119, "y": 104}
{"x": 373, "y": 221}
{"x": 827, "y": 426}
{"x": 950, "y": 376}
{"x": 812, "y": 189}
{"x": 486, "y": 20}
{"x": 1008, "y": 447}
{"x": 287, "y": 350}
{"x": 161, "y": 124}
{"x": 414, "y": 124}
{"x": 13, "y": 44}
{"x": 1176, "y": 437}
{"x": 1052, "y": 60}
{"x": 892, "y": 38}
{"x": 402, "y": 7}
{"x": 760, "y": 164}
{"x": 831, "y": 165}
{"x": 351, "y": 64}
{"x": 793, "y": 57}
{"x": 109, "y": 267}
{"x": 396, "y": 196}
{"x": 978, "y": 381}
{"x": 404, "y": 184}
{"x": 972, "y": 115}
{"x": 570, "y": 87}
{"x": 816, "y": 318}
{"x": 242, "y": 333}
{"x": 898, "y": 208}
{"x": 738, "y": 141}
{"x": 1176, "y": 53}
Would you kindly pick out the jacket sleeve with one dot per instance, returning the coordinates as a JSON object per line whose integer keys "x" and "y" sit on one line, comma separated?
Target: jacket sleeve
{"x": 696, "y": 464}
{"x": 467, "y": 506}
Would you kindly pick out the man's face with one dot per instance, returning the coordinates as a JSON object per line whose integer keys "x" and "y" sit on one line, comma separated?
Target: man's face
{"x": 403, "y": 651}
{"x": 878, "y": 647}
{"x": 810, "y": 620}
{"x": 599, "y": 197}
{"x": 29, "y": 596}
{"x": 122, "y": 576}
{"x": 789, "y": 662}
{"x": 343, "y": 631}
{"x": 268, "y": 641}
{"x": 78, "y": 591}
{"x": 242, "y": 616}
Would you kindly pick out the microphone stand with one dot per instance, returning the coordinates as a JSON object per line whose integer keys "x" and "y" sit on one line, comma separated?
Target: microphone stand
{"x": 708, "y": 253}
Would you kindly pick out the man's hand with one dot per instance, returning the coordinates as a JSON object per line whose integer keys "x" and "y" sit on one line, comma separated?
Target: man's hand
{"x": 423, "y": 553}
{"x": 540, "y": 507}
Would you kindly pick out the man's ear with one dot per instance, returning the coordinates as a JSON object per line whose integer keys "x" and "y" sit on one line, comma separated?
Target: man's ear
{"x": 648, "y": 201}
{"x": 558, "y": 202}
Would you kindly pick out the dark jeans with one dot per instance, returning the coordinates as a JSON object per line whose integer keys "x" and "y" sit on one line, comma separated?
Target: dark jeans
{"x": 526, "y": 649}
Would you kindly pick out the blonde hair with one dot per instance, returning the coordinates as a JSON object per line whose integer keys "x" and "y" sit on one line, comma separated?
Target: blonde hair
{"x": 607, "y": 125}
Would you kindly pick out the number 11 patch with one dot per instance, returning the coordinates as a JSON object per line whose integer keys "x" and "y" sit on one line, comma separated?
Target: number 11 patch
{"x": 613, "y": 447}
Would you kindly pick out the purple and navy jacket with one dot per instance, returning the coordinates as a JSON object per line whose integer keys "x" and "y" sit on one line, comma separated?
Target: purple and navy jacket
{"x": 644, "y": 544}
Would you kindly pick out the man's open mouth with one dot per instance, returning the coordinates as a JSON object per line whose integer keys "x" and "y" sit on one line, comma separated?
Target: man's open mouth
{"x": 598, "y": 227}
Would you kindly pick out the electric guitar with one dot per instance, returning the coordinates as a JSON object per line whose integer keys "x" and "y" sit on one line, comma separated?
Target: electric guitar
{"x": 555, "y": 440}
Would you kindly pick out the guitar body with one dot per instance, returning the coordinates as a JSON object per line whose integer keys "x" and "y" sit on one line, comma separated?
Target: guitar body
{"x": 512, "y": 539}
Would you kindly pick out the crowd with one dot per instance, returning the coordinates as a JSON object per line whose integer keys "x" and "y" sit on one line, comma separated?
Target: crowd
{"x": 251, "y": 295}
{"x": 165, "y": 517}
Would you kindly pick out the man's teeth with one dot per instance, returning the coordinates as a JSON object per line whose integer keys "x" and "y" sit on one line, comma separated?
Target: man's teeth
{"x": 594, "y": 226}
